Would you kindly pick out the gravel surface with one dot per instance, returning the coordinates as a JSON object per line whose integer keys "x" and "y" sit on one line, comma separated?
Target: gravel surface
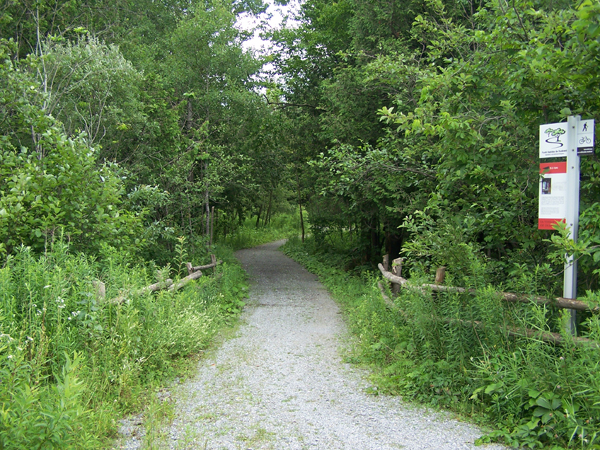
{"x": 280, "y": 383}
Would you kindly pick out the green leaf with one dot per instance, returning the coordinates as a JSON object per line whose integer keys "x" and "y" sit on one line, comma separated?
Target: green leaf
{"x": 544, "y": 403}
{"x": 533, "y": 393}
{"x": 565, "y": 112}
{"x": 492, "y": 388}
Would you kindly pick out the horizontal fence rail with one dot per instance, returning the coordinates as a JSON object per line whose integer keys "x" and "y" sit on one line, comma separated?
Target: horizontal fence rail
{"x": 193, "y": 274}
{"x": 398, "y": 281}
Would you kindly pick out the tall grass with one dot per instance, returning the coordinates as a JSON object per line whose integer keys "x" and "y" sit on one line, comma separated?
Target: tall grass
{"x": 454, "y": 351}
{"x": 281, "y": 226}
{"x": 72, "y": 363}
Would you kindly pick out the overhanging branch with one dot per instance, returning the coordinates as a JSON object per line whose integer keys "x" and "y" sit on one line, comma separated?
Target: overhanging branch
{"x": 294, "y": 105}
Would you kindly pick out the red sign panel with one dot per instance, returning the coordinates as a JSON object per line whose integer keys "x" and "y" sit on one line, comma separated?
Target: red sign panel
{"x": 552, "y": 204}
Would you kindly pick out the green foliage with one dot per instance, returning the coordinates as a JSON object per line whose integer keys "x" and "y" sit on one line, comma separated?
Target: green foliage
{"x": 429, "y": 248}
{"x": 398, "y": 125}
{"x": 248, "y": 235}
{"x": 51, "y": 184}
{"x": 586, "y": 251}
{"x": 164, "y": 90}
{"x": 72, "y": 362}
{"x": 35, "y": 416}
{"x": 463, "y": 90}
{"x": 480, "y": 126}
{"x": 92, "y": 89}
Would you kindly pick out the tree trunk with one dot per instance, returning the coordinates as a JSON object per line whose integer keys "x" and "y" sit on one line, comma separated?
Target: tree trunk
{"x": 207, "y": 212}
{"x": 393, "y": 243}
{"x": 258, "y": 215}
{"x": 190, "y": 115}
{"x": 301, "y": 221}
{"x": 212, "y": 225}
{"x": 268, "y": 215}
{"x": 206, "y": 201}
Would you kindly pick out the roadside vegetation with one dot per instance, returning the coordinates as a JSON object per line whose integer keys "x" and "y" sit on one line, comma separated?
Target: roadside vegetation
{"x": 74, "y": 362}
{"x": 133, "y": 140}
{"x": 531, "y": 393}
{"x": 420, "y": 122}
{"x": 283, "y": 226}
{"x": 138, "y": 136}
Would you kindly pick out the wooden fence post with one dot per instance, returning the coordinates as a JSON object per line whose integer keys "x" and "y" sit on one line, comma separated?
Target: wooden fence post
{"x": 397, "y": 270}
{"x": 440, "y": 275}
{"x": 386, "y": 262}
{"x": 100, "y": 290}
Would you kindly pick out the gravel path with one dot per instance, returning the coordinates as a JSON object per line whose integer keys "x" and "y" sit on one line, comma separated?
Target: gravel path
{"x": 280, "y": 383}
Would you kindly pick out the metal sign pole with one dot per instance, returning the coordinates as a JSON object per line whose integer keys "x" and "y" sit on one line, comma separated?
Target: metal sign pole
{"x": 572, "y": 219}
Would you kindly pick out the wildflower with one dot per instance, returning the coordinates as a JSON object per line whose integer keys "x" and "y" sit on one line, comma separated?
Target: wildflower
{"x": 47, "y": 286}
{"x": 10, "y": 356}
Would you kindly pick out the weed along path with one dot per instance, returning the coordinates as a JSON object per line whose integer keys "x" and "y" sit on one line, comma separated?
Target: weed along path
{"x": 280, "y": 383}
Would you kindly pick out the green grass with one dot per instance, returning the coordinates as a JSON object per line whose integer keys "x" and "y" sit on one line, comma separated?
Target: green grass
{"x": 282, "y": 226}
{"x": 72, "y": 363}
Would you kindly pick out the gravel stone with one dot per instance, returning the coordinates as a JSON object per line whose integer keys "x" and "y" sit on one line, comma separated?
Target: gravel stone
{"x": 280, "y": 382}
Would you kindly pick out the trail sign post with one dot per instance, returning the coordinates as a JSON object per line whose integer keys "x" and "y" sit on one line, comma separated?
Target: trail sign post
{"x": 572, "y": 139}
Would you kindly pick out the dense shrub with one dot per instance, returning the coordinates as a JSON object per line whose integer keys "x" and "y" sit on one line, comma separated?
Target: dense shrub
{"x": 51, "y": 184}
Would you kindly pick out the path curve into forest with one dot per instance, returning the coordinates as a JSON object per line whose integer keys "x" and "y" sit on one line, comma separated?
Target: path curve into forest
{"x": 280, "y": 383}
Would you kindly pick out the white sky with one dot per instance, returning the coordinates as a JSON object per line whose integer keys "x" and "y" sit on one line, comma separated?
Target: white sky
{"x": 273, "y": 20}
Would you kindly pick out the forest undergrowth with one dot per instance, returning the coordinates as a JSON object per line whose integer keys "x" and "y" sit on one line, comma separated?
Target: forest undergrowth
{"x": 530, "y": 393}
{"x": 74, "y": 363}
{"x": 247, "y": 235}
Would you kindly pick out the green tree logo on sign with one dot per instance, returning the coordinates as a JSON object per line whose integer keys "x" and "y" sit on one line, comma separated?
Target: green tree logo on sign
{"x": 554, "y": 135}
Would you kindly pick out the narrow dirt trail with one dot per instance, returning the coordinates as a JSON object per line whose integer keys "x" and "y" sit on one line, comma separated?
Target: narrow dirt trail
{"x": 280, "y": 383}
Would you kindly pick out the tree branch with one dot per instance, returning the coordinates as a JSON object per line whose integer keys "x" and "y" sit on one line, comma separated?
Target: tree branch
{"x": 295, "y": 105}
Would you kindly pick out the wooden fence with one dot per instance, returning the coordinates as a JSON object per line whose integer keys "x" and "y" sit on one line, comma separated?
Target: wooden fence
{"x": 193, "y": 274}
{"x": 395, "y": 277}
